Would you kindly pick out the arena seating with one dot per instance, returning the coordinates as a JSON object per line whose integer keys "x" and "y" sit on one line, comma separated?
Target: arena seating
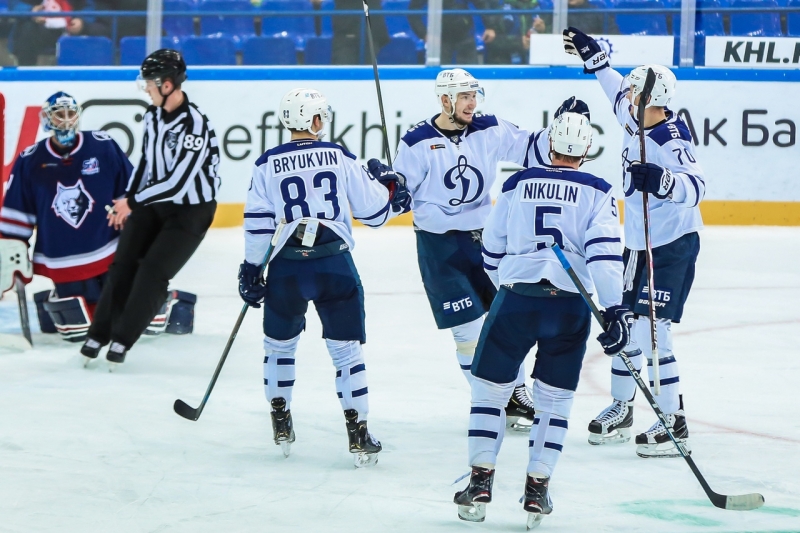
{"x": 84, "y": 51}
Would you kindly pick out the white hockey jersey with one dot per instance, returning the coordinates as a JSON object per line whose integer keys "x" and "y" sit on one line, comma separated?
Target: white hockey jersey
{"x": 541, "y": 206}
{"x": 669, "y": 145}
{"x": 450, "y": 178}
{"x": 309, "y": 179}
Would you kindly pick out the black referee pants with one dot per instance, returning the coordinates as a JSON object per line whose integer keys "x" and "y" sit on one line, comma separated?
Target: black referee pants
{"x": 156, "y": 241}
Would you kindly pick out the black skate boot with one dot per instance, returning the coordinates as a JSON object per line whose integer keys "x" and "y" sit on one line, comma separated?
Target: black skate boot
{"x": 656, "y": 443}
{"x": 116, "y": 355}
{"x": 537, "y": 500}
{"x": 362, "y": 443}
{"x": 472, "y": 500}
{"x": 282, "y": 427}
{"x": 90, "y": 350}
{"x": 520, "y": 411}
{"x": 613, "y": 425}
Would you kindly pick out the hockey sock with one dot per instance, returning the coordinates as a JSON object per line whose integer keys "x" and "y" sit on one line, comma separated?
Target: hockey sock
{"x": 279, "y": 368}
{"x": 487, "y": 420}
{"x": 668, "y": 400}
{"x": 351, "y": 375}
{"x": 549, "y": 429}
{"x": 623, "y": 387}
{"x": 466, "y": 337}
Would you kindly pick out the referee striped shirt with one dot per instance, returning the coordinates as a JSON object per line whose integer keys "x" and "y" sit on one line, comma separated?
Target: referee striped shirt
{"x": 180, "y": 158}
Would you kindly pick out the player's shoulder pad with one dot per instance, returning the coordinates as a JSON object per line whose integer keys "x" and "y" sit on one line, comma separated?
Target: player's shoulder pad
{"x": 481, "y": 121}
{"x": 297, "y": 146}
{"x": 419, "y": 132}
{"x": 574, "y": 176}
{"x": 670, "y": 130}
{"x": 31, "y": 149}
{"x": 101, "y": 135}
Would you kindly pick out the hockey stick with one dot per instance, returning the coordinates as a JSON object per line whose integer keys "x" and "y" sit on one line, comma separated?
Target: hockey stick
{"x": 742, "y": 502}
{"x": 22, "y": 303}
{"x": 649, "y": 82}
{"x": 377, "y": 84}
{"x": 181, "y": 407}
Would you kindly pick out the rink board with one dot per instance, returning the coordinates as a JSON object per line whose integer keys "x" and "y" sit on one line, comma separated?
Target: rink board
{"x": 744, "y": 122}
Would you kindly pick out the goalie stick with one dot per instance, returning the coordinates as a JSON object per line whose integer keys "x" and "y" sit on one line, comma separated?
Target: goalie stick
{"x": 649, "y": 82}
{"x": 741, "y": 502}
{"x": 22, "y": 302}
{"x": 181, "y": 407}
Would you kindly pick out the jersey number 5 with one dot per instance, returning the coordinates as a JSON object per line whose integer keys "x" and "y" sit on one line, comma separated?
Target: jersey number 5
{"x": 296, "y": 196}
{"x": 541, "y": 230}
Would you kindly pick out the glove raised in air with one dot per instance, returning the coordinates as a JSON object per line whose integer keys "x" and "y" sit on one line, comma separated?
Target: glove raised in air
{"x": 578, "y": 43}
{"x": 573, "y": 105}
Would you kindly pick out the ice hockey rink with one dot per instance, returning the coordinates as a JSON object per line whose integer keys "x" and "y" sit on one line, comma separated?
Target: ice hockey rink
{"x": 85, "y": 450}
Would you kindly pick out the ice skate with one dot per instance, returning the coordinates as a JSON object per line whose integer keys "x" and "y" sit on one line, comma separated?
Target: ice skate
{"x": 282, "y": 427}
{"x": 656, "y": 443}
{"x": 472, "y": 500}
{"x": 520, "y": 410}
{"x": 613, "y": 425}
{"x": 363, "y": 445}
{"x": 90, "y": 350}
{"x": 537, "y": 500}
{"x": 116, "y": 355}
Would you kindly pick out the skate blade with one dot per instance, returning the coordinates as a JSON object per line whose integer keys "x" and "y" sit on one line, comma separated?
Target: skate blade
{"x": 364, "y": 460}
{"x": 112, "y": 366}
{"x": 286, "y": 447}
{"x": 663, "y": 450}
{"x": 86, "y": 361}
{"x": 618, "y": 436}
{"x": 519, "y": 424}
{"x": 534, "y": 520}
{"x": 472, "y": 513}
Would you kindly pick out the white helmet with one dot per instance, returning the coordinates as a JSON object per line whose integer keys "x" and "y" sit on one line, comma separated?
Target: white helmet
{"x": 663, "y": 90}
{"x": 571, "y": 134}
{"x": 300, "y": 106}
{"x": 454, "y": 81}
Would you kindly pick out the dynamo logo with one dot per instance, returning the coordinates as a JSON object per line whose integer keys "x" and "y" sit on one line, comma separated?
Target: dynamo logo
{"x": 467, "y": 177}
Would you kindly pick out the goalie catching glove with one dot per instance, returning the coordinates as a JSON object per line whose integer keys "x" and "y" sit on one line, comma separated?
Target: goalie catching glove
{"x": 399, "y": 197}
{"x": 578, "y": 43}
{"x": 619, "y": 320}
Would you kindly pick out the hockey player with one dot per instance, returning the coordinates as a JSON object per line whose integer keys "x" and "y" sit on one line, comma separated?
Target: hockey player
{"x": 59, "y": 186}
{"x": 537, "y": 304}
{"x": 675, "y": 183}
{"x": 450, "y": 162}
{"x": 315, "y": 187}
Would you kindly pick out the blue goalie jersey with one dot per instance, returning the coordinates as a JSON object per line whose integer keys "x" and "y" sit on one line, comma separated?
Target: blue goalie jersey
{"x": 64, "y": 197}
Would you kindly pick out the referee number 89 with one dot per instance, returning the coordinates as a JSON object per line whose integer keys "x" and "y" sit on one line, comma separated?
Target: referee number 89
{"x": 190, "y": 142}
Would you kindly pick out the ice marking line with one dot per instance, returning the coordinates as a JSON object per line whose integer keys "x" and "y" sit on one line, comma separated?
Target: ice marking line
{"x": 659, "y": 510}
{"x": 596, "y": 357}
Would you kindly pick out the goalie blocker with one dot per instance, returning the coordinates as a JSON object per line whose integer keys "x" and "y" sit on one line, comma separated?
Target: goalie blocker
{"x": 70, "y": 316}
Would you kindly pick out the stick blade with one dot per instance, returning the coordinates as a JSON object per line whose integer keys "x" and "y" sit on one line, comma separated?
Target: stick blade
{"x": 184, "y": 410}
{"x": 741, "y": 502}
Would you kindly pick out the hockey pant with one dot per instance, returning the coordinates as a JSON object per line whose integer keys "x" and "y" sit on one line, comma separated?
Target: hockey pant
{"x": 466, "y": 337}
{"x": 623, "y": 386}
{"x": 487, "y": 424}
{"x": 351, "y": 374}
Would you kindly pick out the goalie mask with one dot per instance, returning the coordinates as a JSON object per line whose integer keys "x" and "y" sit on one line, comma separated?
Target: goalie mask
{"x": 300, "y": 106}
{"x": 61, "y": 115}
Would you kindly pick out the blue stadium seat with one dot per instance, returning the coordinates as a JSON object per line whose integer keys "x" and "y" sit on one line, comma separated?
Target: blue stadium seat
{"x": 756, "y": 24}
{"x": 401, "y": 50}
{"x": 84, "y": 51}
{"x": 398, "y": 24}
{"x": 178, "y": 26}
{"x": 133, "y": 50}
{"x": 296, "y": 27}
{"x": 644, "y": 24}
{"x": 236, "y": 27}
{"x": 319, "y": 50}
{"x": 793, "y": 20}
{"x": 209, "y": 51}
{"x": 269, "y": 51}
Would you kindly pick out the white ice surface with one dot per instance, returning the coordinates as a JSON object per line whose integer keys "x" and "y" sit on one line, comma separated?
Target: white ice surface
{"x": 88, "y": 451}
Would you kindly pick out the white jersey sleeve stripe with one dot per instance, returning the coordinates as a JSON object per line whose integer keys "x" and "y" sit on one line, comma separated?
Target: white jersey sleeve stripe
{"x": 604, "y": 258}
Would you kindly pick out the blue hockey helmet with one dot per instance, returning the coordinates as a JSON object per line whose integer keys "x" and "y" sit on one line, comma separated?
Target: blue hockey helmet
{"x": 61, "y": 114}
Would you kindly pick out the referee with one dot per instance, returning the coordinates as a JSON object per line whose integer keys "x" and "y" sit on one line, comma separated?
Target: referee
{"x": 168, "y": 207}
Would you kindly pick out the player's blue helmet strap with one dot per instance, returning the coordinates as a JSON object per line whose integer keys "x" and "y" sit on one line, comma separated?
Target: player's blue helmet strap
{"x": 61, "y": 115}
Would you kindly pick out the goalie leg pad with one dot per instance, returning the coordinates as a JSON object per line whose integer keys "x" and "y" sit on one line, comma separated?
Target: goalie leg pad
{"x": 70, "y": 317}
{"x": 46, "y": 324}
{"x": 181, "y": 316}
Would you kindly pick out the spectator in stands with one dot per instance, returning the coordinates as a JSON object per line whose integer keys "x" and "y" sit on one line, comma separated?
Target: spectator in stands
{"x": 580, "y": 15}
{"x": 35, "y": 36}
{"x": 458, "y": 31}
{"x": 103, "y": 26}
{"x": 347, "y": 45}
{"x": 512, "y": 39}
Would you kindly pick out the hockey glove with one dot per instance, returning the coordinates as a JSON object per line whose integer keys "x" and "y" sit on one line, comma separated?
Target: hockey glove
{"x": 252, "y": 288}
{"x": 619, "y": 320}
{"x": 573, "y": 105}
{"x": 395, "y": 182}
{"x": 578, "y": 43}
{"x": 649, "y": 177}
